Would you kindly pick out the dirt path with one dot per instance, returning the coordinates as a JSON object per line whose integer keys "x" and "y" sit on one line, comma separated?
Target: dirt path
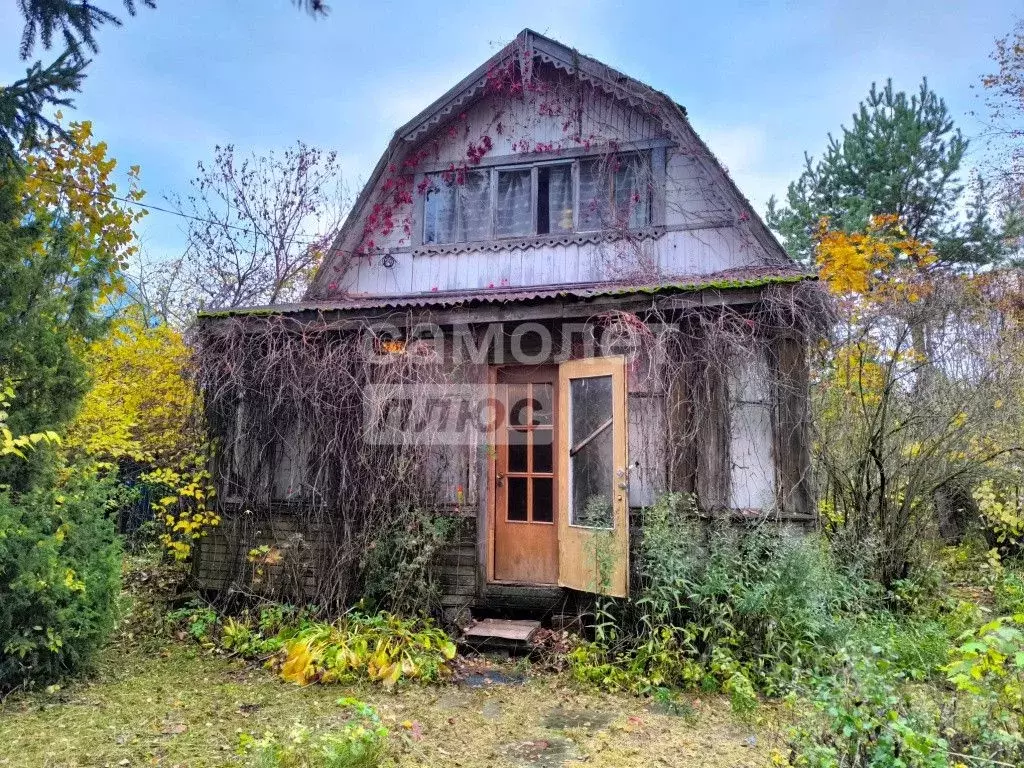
{"x": 180, "y": 707}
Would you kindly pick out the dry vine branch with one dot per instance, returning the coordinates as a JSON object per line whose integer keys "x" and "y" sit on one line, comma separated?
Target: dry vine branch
{"x": 310, "y": 390}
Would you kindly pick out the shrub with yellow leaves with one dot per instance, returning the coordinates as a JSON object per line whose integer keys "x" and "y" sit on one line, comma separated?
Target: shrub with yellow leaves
{"x": 142, "y": 408}
{"x": 1002, "y": 513}
{"x": 913, "y": 390}
{"x": 382, "y": 647}
{"x": 73, "y": 174}
{"x": 883, "y": 259}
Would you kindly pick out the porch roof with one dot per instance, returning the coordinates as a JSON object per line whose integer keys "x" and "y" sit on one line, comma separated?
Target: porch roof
{"x": 727, "y": 280}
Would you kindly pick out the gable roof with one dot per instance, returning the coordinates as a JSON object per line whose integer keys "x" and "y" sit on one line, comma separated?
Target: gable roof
{"x": 527, "y": 48}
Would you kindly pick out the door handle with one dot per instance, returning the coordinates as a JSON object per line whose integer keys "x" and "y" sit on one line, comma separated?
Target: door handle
{"x": 499, "y": 479}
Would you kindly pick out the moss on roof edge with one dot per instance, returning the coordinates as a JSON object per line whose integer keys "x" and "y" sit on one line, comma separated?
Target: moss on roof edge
{"x": 753, "y": 282}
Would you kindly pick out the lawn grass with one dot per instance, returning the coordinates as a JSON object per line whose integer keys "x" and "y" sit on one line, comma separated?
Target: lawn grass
{"x": 180, "y": 706}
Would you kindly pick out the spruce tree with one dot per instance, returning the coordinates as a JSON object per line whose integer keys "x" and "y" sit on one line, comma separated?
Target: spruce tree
{"x": 45, "y": 313}
{"x": 902, "y": 155}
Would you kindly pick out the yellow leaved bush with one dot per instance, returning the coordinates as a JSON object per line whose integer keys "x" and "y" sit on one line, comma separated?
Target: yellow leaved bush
{"x": 142, "y": 409}
{"x": 72, "y": 174}
{"x": 883, "y": 259}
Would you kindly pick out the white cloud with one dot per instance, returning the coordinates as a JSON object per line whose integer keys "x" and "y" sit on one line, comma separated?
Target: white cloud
{"x": 743, "y": 150}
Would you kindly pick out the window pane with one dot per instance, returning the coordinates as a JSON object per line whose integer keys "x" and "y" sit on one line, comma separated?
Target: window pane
{"x": 514, "y": 210}
{"x": 554, "y": 199}
{"x": 541, "y": 413}
{"x": 631, "y": 190}
{"x": 591, "y": 456}
{"x": 592, "y": 483}
{"x": 517, "y": 498}
{"x": 542, "y": 450}
{"x": 543, "y": 500}
{"x": 590, "y": 406}
{"x": 516, "y": 450}
{"x": 439, "y": 211}
{"x": 475, "y": 206}
{"x": 593, "y": 194}
{"x": 517, "y": 397}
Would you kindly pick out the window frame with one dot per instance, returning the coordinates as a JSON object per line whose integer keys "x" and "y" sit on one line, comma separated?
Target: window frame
{"x": 749, "y": 383}
{"x": 651, "y": 158}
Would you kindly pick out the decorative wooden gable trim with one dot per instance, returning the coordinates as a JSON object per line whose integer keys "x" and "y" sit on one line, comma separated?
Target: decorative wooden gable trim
{"x": 528, "y": 48}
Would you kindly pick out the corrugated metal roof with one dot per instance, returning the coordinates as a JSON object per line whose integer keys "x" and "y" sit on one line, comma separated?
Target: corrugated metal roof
{"x": 746, "y": 277}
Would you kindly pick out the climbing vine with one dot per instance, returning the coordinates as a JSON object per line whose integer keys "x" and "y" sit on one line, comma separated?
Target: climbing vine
{"x": 525, "y": 109}
{"x": 312, "y": 497}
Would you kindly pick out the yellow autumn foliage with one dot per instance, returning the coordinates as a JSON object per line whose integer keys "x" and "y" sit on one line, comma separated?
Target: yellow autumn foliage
{"x": 73, "y": 176}
{"x": 142, "y": 408}
{"x": 883, "y": 259}
{"x": 140, "y": 403}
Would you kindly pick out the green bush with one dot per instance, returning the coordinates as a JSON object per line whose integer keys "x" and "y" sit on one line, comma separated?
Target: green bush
{"x": 872, "y": 710}
{"x": 1008, "y": 591}
{"x": 914, "y": 647}
{"x": 720, "y": 606}
{"x": 254, "y": 632}
{"x": 397, "y": 570}
{"x": 862, "y": 717}
{"x": 60, "y": 571}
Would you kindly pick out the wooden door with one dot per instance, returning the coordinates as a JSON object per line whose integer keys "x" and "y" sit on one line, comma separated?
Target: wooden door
{"x": 525, "y": 476}
{"x": 593, "y": 529}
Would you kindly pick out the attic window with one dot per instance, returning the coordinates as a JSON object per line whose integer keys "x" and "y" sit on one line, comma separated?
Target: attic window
{"x": 551, "y": 197}
{"x": 615, "y": 192}
{"x": 458, "y": 207}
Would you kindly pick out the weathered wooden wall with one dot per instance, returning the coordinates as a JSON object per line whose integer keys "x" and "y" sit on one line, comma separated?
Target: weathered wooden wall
{"x": 696, "y": 228}
{"x": 731, "y": 460}
{"x": 673, "y": 254}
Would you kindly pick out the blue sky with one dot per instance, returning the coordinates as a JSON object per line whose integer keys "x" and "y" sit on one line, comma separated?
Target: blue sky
{"x": 763, "y": 81}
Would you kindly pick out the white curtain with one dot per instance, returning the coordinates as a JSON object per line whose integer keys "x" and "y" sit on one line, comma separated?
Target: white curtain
{"x": 439, "y": 220}
{"x": 515, "y": 213}
{"x": 631, "y": 181}
{"x": 593, "y": 195}
{"x": 560, "y": 199}
{"x": 475, "y": 206}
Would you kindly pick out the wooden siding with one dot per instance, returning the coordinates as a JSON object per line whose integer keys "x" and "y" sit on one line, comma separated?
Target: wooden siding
{"x": 540, "y": 118}
{"x": 752, "y": 482}
{"x": 648, "y": 448}
{"x": 673, "y": 253}
{"x": 721, "y": 462}
{"x": 221, "y": 561}
{"x": 700, "y": 231}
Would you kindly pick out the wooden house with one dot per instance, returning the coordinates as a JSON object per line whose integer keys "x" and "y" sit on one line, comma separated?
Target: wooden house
{"x": 587, "y": 270}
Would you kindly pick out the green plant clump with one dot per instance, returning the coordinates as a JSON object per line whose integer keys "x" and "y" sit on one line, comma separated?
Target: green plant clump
{"x": 719, "y": 608}
{"x": 381, "y": 647}
{"x": 360, "y": 743}
{"x": 60, "y": 570}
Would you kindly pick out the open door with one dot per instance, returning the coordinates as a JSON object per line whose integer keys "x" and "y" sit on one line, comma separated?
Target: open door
{"x": 593, "y": 529}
